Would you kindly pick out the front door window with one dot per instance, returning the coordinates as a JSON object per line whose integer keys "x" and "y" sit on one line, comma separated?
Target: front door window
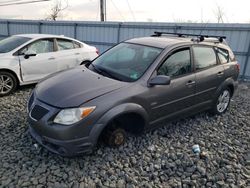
{"x": 177, "y": 64}
{"x": 40, "y": 46}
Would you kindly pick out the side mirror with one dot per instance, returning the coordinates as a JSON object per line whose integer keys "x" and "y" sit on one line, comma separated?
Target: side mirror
{"x": 29, "y": 53}
{"x": 160, "y": 80}
{"x": 86, "y": 62}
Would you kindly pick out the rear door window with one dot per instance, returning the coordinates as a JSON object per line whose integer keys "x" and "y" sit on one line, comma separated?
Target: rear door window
{"x": 204, "y": 57}
{"x": 65, "y": 44}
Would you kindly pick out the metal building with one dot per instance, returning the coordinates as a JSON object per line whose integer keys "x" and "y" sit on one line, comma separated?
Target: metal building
{"x": 103, "y": 35}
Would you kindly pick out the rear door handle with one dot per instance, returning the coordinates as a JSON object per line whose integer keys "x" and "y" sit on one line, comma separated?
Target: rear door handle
{"x": 51, "y": 58}
{"x": 190, "y": 83}
{"x": 220, "y": 73}
{"x": 77, "y": 53}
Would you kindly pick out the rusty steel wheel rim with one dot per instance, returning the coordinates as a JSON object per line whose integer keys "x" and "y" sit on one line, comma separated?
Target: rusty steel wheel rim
{"x": 119, "y": 139}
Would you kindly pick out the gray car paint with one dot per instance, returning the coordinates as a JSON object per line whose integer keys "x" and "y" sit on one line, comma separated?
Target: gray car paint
{"x": 75, "y": 87}
{"x": 82, "y": 87}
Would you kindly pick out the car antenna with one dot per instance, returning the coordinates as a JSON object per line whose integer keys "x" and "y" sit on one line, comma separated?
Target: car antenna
{"x": 201, "y": 38}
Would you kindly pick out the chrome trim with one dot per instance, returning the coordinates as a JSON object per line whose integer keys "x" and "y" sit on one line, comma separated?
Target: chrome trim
{"x": 31, "y": 108}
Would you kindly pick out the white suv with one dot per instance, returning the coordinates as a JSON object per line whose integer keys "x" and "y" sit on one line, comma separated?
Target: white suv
{"x": 27, "y": 58}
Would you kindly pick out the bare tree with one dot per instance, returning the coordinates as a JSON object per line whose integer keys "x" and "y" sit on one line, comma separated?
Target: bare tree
{"x": 219, "y": 13}
{"x": 57, "y": 8}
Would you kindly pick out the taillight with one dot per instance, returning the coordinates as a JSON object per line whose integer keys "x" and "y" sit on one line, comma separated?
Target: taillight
{"x": 97, "y": 51}
{"x": 238, "y": 67}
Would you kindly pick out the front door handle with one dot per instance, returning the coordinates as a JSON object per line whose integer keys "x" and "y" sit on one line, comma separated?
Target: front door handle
{"x": 77, "y": 53}
{"x": 190, "y": 83}
{"x": 51, "y": 58}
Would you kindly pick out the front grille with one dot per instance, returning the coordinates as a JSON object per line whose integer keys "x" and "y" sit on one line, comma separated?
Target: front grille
{"x": 38, "y": 112}
{"x": 30, "y": 102}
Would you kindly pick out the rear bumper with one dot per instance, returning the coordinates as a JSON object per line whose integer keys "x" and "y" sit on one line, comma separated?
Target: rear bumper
{"x": 236, "y": 84}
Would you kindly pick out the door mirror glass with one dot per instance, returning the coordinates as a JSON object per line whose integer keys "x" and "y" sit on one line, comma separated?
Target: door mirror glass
{"x": 160, "y": 80}
{"x": 29, "y": 53}
{"x": 86, "y": 62}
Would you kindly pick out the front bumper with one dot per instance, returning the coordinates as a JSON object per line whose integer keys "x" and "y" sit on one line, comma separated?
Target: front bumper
{"x": 63, "y": 148}
{"x": 60, "y": 139}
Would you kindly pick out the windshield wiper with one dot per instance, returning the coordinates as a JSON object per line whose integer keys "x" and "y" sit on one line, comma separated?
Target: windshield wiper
{"x": 96, "y": 69}
{"x": 110, "y": 75}
{"x": 104, "y": 72}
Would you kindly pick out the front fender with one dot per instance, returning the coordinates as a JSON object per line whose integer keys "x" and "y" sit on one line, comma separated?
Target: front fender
{"x": 115, "y": 112}
{"x": 12, "y": 65}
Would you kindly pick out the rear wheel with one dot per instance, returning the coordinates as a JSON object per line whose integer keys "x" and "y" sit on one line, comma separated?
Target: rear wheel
{"x": 114, "y": 136}
{"x": 8, "y": 83}
{"x": 222, "y": 102}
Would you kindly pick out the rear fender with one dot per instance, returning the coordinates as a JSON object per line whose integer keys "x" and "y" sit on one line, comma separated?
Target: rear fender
{"x": 228, "y": 82}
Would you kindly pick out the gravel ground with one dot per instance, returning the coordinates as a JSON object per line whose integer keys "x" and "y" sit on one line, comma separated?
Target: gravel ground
{"x": 160, "y": 158}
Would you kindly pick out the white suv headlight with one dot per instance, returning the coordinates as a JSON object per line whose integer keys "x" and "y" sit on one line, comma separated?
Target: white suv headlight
{"x": 73, "y": 115}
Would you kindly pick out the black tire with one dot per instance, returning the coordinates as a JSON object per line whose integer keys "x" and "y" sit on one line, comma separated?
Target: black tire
{"x": 114, "y": 136}
{"x": 220, "y": 107}
{"x": 8, "y": 83}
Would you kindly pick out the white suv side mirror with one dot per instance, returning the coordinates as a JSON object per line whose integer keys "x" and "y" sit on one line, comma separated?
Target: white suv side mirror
{"x": 29, "y": 53}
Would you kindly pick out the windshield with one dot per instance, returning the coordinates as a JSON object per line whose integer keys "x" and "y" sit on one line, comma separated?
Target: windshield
{"x": 10, "y": 43}
{"x": 126, "y": 62}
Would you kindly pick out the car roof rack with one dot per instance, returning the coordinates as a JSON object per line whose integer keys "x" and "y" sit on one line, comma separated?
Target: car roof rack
{"x": 199, "y": 37}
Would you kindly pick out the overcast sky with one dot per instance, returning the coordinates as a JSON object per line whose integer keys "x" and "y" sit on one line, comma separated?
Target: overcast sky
{"x": 141, "y": 10}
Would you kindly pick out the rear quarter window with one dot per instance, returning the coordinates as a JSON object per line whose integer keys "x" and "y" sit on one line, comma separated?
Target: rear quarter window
{"x": 77, "y": 44}
{"x": 223, "y": 55}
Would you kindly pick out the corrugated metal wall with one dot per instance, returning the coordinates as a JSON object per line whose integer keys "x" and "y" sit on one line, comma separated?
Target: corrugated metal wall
{"x": 103, "y": 35}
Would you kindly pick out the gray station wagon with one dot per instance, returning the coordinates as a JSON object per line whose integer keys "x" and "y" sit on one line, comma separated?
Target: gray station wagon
{"x": 132, "y": 87}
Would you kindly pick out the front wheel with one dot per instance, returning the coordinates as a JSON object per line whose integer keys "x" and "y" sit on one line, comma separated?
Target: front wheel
{"x": 8, "y": 83}
{"x": 222, "y": 102}
{"x": 115, "y": 137}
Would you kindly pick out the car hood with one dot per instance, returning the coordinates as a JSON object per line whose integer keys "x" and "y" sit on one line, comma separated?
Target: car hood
{"x": 2, "y": 55}
{"x": 74, "y": 87}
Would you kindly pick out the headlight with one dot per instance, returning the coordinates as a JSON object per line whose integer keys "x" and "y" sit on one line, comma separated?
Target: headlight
{"x": 73, "y": 115}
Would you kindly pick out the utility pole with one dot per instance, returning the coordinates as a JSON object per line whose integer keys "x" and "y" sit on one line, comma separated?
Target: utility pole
{"x": 103, "y": 10}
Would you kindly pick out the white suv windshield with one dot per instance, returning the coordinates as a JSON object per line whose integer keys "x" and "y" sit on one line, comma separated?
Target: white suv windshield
{"x": 10, "y": 43}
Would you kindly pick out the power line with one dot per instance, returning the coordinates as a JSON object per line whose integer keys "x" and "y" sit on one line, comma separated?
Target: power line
{"x": 7, "y": 2}
{"x": 131, "y": 11}
{"x": 10, "y": 1}
{"x": 118, "y": 10}
{"x": 26, "y": 2}
{"x": 98, "y": 10}
{"x": 18, "y": 3}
